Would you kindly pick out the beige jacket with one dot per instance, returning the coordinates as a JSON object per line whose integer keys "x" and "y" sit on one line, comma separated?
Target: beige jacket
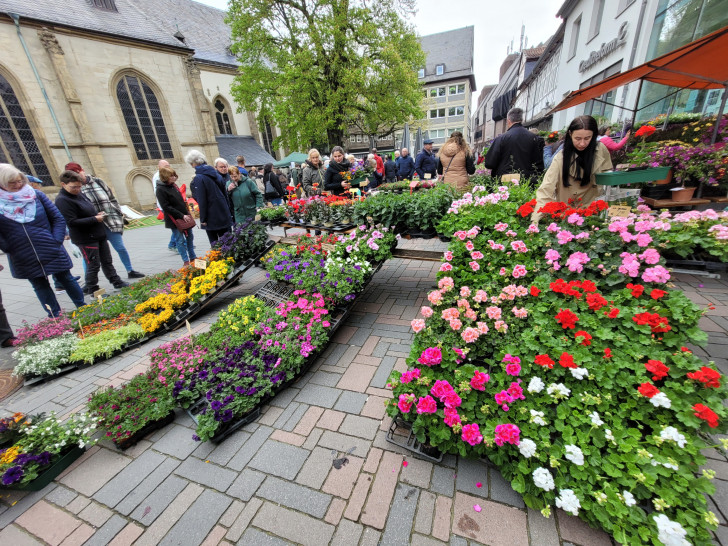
{"x": 457, "y": 174}
{"x": 553, "y": 189}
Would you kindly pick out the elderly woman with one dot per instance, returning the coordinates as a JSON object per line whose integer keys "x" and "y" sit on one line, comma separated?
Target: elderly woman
{"x": 173, "y": 206}
{"x": 87, "y": 231}
{"x": 333, "y": 179}
{"x": 32, "y": 231}
{"x": 246, "y": 197}
{"x": 208, "y": 189}
{"x": 7, "y": 338}
{"x": 455, "y": 161}
{"x": 313, "y": 173}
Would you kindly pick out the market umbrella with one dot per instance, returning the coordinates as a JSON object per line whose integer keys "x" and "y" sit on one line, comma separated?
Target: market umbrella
{"x": 297, "y": 157}
{"x": 418, "y": 140}
{"x": 406, "y": 137}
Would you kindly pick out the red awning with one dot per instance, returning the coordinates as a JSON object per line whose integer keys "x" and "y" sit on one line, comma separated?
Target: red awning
{"x": 698, "y": 65}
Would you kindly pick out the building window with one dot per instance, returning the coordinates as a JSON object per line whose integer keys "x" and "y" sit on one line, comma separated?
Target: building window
{"x": 456, "y": 129}
{"x": 352, "y": 138}
{"x": 574, "y": 44}
{"x": 17, "y": 143}
{"x": 143, "y": 118}
{"x": 596, "y": 21}
{"x": 458, "y": 89}
{"x": 266, "y": 132}
{"x": 222, "y": 118}
{"x": 598, "y": 108}
{"x": 437, "y": 113}
{"x": 440, "y": 69}
{"x": 437, "y": 133}
{"x": 358, "y": 138}
{"x": 421, "y": 73}
{"x": 108, "y": 5}
{"x": 456, "y": 111}
{"x": 437, "y": 92}
{"x": 623, "y": 5}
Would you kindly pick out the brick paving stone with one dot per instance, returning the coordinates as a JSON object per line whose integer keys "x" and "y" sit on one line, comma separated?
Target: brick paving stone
{"x": 215, "y": 536}
{"x": 287, "y": 414}
{"x": 95, "y": 471}
{"x": 231, "y": 514}
{"x": 343, "y": 335}
{"x": 17, "y": 536}
{"x": 127, "y": 536}
{"x": 382, "y": 375}
{"x": 542, "y": 530}
{"x": 425, "y": 508}
{"x": 293, "y": 420}
{"x": 95, "y": 514}
{"x": 208, "y": 474}
{"x": 136, "y": 450}
{"x": 501, "y": 490}
{"x": 198, "y": 520}
{"x": 443, "y": 481}
{"x": 357, "y": 377}
{"x": 441, "y": 519}
{"x": 279, "y": 459}
{"x": 283, "y": 399}
{"x": 370, "y": 537}
{"x": 61, "y": 496}
{"x": 151, "y": 483}
{"x": 360, "y": 337}
{"x": 470, "y": 472}
{"x": 369, "y": 345}
{"x": 107, "y": 533}
{"x": 341, "y": 481}
{"x": 308, "y": 421}
{"x": 170, "y": 515}
{"x": 351, "y": 402}
{"x": 249, "y": 449}
{"x": 401, "y": 515}
{"x": 156, "y": 502}
{"x": 316, "y": 468}
{"x": 371, "y": 361}
{"x": 223, "y": 452}
{"x": 312, "y": 439}
{"x": 374, "y": 407}
{"x": 331, "y": 420}
{"x": 257, "y": 537}
{"x": 575, "y": 530}
{"x": 244, "y": 519}
{"x": 331, "y": 369}
{"x": 343, "y": 443}
{"x": 358, "y": 497}
{"x": 78, "y": 537}
{"x": 372, "y": 460}
{"x": 293, "y": 526}
{"x": 270, "y": 416}
{"x": 417, "y": 472}
{"x": 362, "y": 427}
{"x": 294, "y": 496}
{"x": 377, "y": 506}
{"x": 177, "y": 442}
{"x": 327, "y": 379}
{"x": 460, "y": 541}
{"x": 347, "y": 534}
{"x": 317, "y": 395}
{"x": 48, "y": 522}
{"x": 335, "y": 511}
{"x": 246, "y": 484}
{"x": 131, "y": 476}
{"x": 420, "y": 540}
{"x": 496, "y": 524}
{"x": 287, "y": 438}
{"x": 78, "y": 504}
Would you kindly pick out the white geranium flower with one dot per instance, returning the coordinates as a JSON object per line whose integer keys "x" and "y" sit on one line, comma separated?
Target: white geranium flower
{"x": 543, "y": 479}
{"x": 568, "y": 502}
{"x": 579, "y": 373}
{"x": 535, "y": 385}
{"x": 558, "y": 390}
{"x": 537, "y": 417}
{"x": 629, "y": 499}
{"x": 671, "y": 433}
{"x": 608, "y": 435}
{"x": 574, "y": 454}
{"x": 670, "y": 533}
{"x": 595, "y": 419}
{"x": 527, "y": 447}
{"x": 661, "y": 400}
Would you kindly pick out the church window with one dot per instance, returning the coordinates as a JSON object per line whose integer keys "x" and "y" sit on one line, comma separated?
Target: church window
{"x": 222, "y": 118}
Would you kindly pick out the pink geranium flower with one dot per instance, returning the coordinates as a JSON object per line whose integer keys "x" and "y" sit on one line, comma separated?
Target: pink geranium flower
{"x": 471, "y": 434}
{"x": 479, "y": 380}
{"x": 426, "y": 404}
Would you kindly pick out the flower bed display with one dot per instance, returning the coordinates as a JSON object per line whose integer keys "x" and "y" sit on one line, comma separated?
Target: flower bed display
{"x": 559, "y": 352}
{"x": 700, "y": 234}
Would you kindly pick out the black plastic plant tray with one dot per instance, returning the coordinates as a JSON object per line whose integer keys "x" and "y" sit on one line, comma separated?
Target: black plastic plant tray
{"x": 410, "y": 444}
{"x": 37, "y": 379}
{"x": 226, "y": 430}
{"x": 274, "y": 293}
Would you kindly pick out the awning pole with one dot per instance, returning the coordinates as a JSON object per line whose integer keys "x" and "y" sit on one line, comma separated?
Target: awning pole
{"x": 719, "y": 115}
{"x": 636, "y": 103}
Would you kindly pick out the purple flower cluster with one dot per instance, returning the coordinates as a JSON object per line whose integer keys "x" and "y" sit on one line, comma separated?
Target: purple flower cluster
{"x": 16, "y": 472}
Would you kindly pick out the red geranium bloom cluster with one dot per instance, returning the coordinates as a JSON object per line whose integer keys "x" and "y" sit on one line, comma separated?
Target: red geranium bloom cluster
{"x": 648, "y": 390}
{"x": 637, "y": 289}
{"x": 586, "y": 341}
{"x": 535, "y": 291}
{"x": 314, "y": 243}
{"x": 558, "y": 209}
{"x": 595, "y": 301}
{"x": 645, "y": 131}
{"x": 613, "y": 313}
{"x": 706, "y": 414}
{"x": 560, "y": 286}
{"x": 567, "y": 361}
{"x": 657, "y": 323}
{"x": 708, "y": 376}
{"x": 657, "y": 369}
{"x": 656, "y": 294}
{"x": 527, "y": 208}
{"x": 567, "y": 318}
{"x": 607, "y": 353}
{"x": 544, "y": 360}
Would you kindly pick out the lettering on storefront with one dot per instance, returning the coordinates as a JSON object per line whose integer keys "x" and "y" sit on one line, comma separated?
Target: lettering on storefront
{"x": 607, "y": 49}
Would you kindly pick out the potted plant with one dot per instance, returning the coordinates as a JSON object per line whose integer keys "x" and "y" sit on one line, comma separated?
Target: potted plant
{"x": 639, "y": 168}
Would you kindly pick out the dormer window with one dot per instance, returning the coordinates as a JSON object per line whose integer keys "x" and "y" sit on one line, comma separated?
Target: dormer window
{"x": 440, "y": 69}
{"x": 107, "y": 5}
{"x": 421, "y": 73}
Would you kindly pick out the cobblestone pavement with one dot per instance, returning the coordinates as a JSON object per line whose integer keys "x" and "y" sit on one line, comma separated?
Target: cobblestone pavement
{"x": 273, "y": 482}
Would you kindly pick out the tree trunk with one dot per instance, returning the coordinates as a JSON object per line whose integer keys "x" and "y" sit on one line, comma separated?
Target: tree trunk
{"x": 335, "y": 137}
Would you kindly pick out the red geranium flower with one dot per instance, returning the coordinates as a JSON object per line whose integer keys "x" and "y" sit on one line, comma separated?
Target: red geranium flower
{"x": 567, "y": 361}
{"x": 637, "y": 289}
{"x": 527, "y": 208}
{"x": 544, "y": 360}
{"x": 595, "y": 301}
{"x": 589, "y": 286}
{"x": 567, "y": 318}
{"x": 535, "y": 291}
{"x": 706, "y": 414}
{"x": 656, "y": 323}
{"x": 707, "y": 376}
{"x": 685, "y": 350}
{"x": 645, "y": 131}
{"x": 656, "y": 294}
{"x": 587, "y": 337}
{"x": 613, "y": 313}
{"x": 607, "y": 353}
{"x": 648, "y": 390}
{"x": 657, "y": 368}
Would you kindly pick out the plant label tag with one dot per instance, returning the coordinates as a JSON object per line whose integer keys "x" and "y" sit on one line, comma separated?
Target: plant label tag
{"x": 200, "y": 264}
{"x": 364, "y": 182}
{"x": 414, "y": 184}
{"x": 619, "y": 210}
{"x": 189, "y": 328}
{"x": 428, "y": 176}
{"x": 327, "y": 247}
{"x": 100, "y": 292}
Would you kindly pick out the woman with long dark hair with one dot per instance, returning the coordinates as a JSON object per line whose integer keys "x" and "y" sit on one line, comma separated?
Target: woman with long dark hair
{"x": 333, "y": 181}
{"x": 571, "y": 174}
{"x": 274, "y": 192}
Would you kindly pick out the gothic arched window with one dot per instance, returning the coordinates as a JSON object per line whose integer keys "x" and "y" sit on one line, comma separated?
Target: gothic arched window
{"x": 223, "y": 119}
{"x": 17, "y": 143}
{"x": 143, "y": 118}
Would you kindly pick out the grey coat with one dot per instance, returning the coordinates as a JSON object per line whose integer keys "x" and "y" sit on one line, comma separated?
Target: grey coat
{"x": 311, "y": 176}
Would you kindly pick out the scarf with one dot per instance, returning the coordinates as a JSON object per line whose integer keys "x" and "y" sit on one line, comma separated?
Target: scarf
{"x": 18, "y": 206}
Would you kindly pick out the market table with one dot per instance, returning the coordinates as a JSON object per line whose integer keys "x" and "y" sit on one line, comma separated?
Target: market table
{"x": 334, "y": 229}
{"x": 669, "y": 203}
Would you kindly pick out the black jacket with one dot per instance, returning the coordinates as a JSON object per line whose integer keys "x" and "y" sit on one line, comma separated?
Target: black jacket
{"x": 390, "y": 169}
{"x": 171, "y": 202}
{"x": 426, "y": 162}
{"x": 333, "y": 178}
{"x": 272, "y": 177}
{"x": 80, "y": 216}
{"x": 210, "y": 192}
{"x": 515, "y": 151}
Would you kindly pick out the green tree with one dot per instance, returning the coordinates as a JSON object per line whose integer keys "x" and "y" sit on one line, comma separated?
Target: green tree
{"x": 314, "y": 67}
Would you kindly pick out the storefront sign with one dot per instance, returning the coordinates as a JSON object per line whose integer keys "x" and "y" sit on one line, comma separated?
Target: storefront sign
{"x": 607, "y": 49}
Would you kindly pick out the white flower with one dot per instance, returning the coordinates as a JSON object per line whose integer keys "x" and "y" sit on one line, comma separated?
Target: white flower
{"x": 629, "y": 499}
{"x": 537, "y": 417}
{"x": 661, "y": 399}
{"x": 595, "y": 419}
{"x": 670, "y": 533}
{"x": 568, "y": 502}
{"x": 527, "y": 447}
{"x": 558, "y": 390}
{"x": 608, "y": 435}
{"x": 535, "y": 385}
{"x": 543, "y": 479}
{"x": 671, "y": 466}
{"x": 671, "y": 433}
{"x": 575, "y": 455}
{"x": 579, "y": 373}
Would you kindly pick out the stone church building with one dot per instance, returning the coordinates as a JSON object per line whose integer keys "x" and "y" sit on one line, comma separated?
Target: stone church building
{"x": 117, "y": 85}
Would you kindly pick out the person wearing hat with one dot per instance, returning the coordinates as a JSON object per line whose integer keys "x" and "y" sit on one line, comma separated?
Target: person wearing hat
{"x": 104, "y": 200}
{"x": 426, "y": 162}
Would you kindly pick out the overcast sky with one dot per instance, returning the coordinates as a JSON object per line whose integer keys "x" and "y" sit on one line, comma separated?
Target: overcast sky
{"x": 496, "y": 22}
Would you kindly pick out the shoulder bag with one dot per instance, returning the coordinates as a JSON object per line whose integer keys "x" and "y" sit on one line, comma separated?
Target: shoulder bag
{"x": 448, "y": 168}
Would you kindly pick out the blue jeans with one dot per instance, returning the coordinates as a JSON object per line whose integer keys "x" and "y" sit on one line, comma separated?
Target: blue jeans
{"x": 47, "y": 296}
{"x": 185, "y": 245}
{"x": 117, "y": 242}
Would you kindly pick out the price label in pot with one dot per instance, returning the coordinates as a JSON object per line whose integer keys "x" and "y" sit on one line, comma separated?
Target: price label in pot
{"x": 414, "y": 184}
{"x": 364, "y": 182}
{"x": 619, "y": 210}
{"x": 200, "y": 264}
{"x": 100, "y": 292}
{"x": 189, "y": 328}
{"x": 327, "y": 247}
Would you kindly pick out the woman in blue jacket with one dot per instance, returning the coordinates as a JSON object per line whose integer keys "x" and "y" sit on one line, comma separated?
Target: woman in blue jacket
{"x": 32, "y": 232}
{"x": 208, "y": 189}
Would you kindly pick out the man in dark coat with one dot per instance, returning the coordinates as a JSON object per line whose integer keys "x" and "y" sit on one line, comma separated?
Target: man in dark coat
{"x": 515, "y": 151}
{"x": 208, "y": 189}
{"x": 426, "y": 162}
{"x": 405, "y": 165}
{"x": 390, "y": 170}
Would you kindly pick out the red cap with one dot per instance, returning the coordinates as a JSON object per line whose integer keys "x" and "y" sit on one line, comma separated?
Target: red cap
{"x": 75, "y": 167}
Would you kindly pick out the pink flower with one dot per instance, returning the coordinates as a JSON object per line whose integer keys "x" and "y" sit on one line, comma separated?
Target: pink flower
{"x": 450, "y": 313}
{"x": 500, "y": 226}
{"x": 501, "y": 326}
{"x": 519, "y": 246}
{"x": 552, "y": 255}
{"x": 452, "y": 400}
{"x": 426, "y": 404}
{"x": 520, "y": 313}
{"x": 482, "y": 327}
{"x": 502, "y": 399}
{"x": 477, "y": 255}
{"x": 426, "y": 311}
{"x": 564, "y": 236}
{"x": 456, "y": 324}
{"x": 448, "y": 255}
{"x": 445, "y": 284}
{"x": 575, "y": 219}
{"x": 479, "y": 380}
{"x": 405, "y": 402}
{"x": 464, "y": 292}
{"x": 440, "y": 389}
{"x": 519, "y": 271}
{"x": 643, "y": 239}
{"x": 493, "y": 312}
{"x": 516, "y": 392}
{"x": 471, "y": 434}
{"x": 451, "y": 417}
{"x": 656, "y": 274}
{"x": 461, "y": 235}
{"x": 475, "y": 266}
{"x": 431, "y": 356}
{"x": 410, "y": 375}
{"x": 553, "y": 228}
{"x": 513, "y": 368}
{"x": 470, "y": 335}
{"x": 650, "y": 256}
{"x": 418, "y": 325}
{"x": 434, "y": 297}
{"x": 470, "y": 246}
{"x": 507, "y": 434}
{"x": 481, "y": 296}
{"x": 471, "y": 314}
{"x": 446, "y": 267}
